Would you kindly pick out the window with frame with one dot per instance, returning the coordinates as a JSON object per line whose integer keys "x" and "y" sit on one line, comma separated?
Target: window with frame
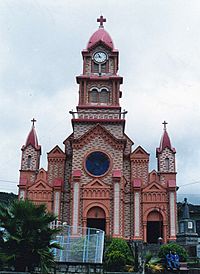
{"x": 95, "y": 68}
{"x": 103, "y": 68}
{"x": 101, "y": 96}
{"x": 93, "y": 96}
{"x": 167, "y": 164}
{"x": 104, "y": 96}
{"x": 29, "y": 161}
{"x": 99, "y": 68}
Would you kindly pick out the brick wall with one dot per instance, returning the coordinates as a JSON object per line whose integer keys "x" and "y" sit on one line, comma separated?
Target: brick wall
{"x": 55, "y": 169}
{"x": 34, "y": 163}
{"x": 115, "y": 129}
{"x": 166, "y": 153}
{"x": 139, "y": 169}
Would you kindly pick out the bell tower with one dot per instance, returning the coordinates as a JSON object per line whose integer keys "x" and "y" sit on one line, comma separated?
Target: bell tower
{"x": 30, "y": 160}
{"x": 98, "y": 141}
{"x": 99, "y": 85}
{"x": 166, "y": 154}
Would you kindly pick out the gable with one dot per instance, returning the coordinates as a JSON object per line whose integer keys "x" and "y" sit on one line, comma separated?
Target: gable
{"x": 96, "y": 184}
{"x": 42, "y": 175}
{"x": 154, "y": 193}
{"x": 96, "y": 189}
{"x": 98, "y": 130}
{"x": 139, "y": 153}
{"x": 154, "y": 187}
{"x": 69, "y": 138}
{"x": 153, "y": 176}
{"x": 56, "y": 152}
{"x": 40, "y": 185}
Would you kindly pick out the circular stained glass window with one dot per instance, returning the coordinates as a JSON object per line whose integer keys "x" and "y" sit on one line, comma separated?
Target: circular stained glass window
{"x": 97, "y": 163}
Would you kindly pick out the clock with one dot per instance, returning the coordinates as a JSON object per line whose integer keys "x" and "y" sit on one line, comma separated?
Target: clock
{"x": 97, "y": 163}
{"x": 100, "y": 57}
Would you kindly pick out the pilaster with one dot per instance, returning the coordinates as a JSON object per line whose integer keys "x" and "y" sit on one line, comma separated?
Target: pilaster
{"x": 75, "y": 200}
{"x": 137, "y": 208}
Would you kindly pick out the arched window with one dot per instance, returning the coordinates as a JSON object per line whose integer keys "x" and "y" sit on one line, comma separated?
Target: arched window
{"x": 167, "y": 164}
{"x": 93, "y": 97}
{"x": 29, "y": 161}
{"x": 104, "y": 96}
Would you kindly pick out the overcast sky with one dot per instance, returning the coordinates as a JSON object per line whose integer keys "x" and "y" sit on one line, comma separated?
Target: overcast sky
{"x": 40, "y": 55}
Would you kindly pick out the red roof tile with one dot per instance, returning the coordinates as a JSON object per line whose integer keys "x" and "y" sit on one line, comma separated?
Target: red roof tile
{"x": 165, "y": 143}
{"x": 100, "y": 36}
{"x": 32, "y": 139}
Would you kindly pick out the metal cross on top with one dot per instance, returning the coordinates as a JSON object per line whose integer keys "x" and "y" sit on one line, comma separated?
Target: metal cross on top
{"x": 33, "y": 121}
{"x": 101, "y": 20}
{"x": 165, "y": 125}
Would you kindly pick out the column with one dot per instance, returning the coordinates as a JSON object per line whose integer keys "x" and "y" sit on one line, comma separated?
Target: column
{"x": 57, "y": 203}
{"x": 145, "y": 232}
{"x": 116, "y": 209}
{"x": 137, "y": 208}
{"x": 76, "y": 176}
{"x": 57, "y": 189}
{"x": 172, "y": 210}
{"x": 117, "y": 204}
{"x": 75, "y": 215}
{"x": 137, "y": 214}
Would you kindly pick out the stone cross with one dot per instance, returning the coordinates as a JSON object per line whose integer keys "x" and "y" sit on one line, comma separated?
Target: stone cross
{"x": 33, "y": 121}
{"x": 165, "y": 125}
{"x": 101, "y": 20}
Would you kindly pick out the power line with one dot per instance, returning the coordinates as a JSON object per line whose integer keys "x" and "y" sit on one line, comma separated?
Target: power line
{"x": 193, "y": 183}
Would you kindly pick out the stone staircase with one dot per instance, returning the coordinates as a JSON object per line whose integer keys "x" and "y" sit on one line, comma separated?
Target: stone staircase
{"x": 152, "y": 248}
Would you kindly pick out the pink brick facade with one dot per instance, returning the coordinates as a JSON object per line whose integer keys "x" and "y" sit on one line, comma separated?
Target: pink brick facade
{"x": 98, "y": 179}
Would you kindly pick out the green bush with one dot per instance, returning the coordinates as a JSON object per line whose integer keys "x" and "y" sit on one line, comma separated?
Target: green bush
{"x": 117, "y": 255}
{"x": 173, "y": 247}
{"x": 116, "y": 261}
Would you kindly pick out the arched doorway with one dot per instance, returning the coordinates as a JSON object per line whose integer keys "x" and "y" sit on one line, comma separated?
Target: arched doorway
{"x": 96, "y": 218}
{"x": 154, "y": 227}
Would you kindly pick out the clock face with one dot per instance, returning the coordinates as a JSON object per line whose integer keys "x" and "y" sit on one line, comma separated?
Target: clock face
{"x": 97, "y": 163}
{"x": 100, "y": 57}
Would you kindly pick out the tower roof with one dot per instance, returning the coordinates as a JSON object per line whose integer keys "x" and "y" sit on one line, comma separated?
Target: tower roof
{"x": 32, "y": 137}
{"x": 165, "y": 141}
{"x": 100, "y": 36}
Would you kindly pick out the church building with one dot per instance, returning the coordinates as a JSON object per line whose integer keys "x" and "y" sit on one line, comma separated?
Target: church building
{"x": 98, "y": 179}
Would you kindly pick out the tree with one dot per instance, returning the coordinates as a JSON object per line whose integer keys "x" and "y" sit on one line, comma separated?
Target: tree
{"x": 26, "y": 236}
{"x": 117, "y": 255}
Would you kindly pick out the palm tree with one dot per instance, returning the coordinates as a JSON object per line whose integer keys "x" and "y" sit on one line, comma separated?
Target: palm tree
{"x": 152, "y": 264}
{"x": 26, "y": 237}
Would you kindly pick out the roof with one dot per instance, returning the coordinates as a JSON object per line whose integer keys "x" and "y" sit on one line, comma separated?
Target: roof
{"x": 101, "y": 35}
{"x": 32, "y": 139}
{"x": 165, "y": 143}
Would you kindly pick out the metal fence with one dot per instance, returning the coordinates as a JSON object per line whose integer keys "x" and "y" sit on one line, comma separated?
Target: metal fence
{"x": 79, "y": 244}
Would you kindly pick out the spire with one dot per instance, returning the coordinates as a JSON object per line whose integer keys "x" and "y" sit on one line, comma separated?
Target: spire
{"x": 165, "y": 140}
{"x": 186, "y": 213}
{"x": 100, "y": 36}
{"x": 32, "y": 136}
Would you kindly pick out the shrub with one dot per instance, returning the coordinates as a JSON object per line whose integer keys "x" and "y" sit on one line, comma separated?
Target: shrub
{"x": 152, "y": 264}
{"x": 173, "y": 247}
{"x": 117, "y": 255}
